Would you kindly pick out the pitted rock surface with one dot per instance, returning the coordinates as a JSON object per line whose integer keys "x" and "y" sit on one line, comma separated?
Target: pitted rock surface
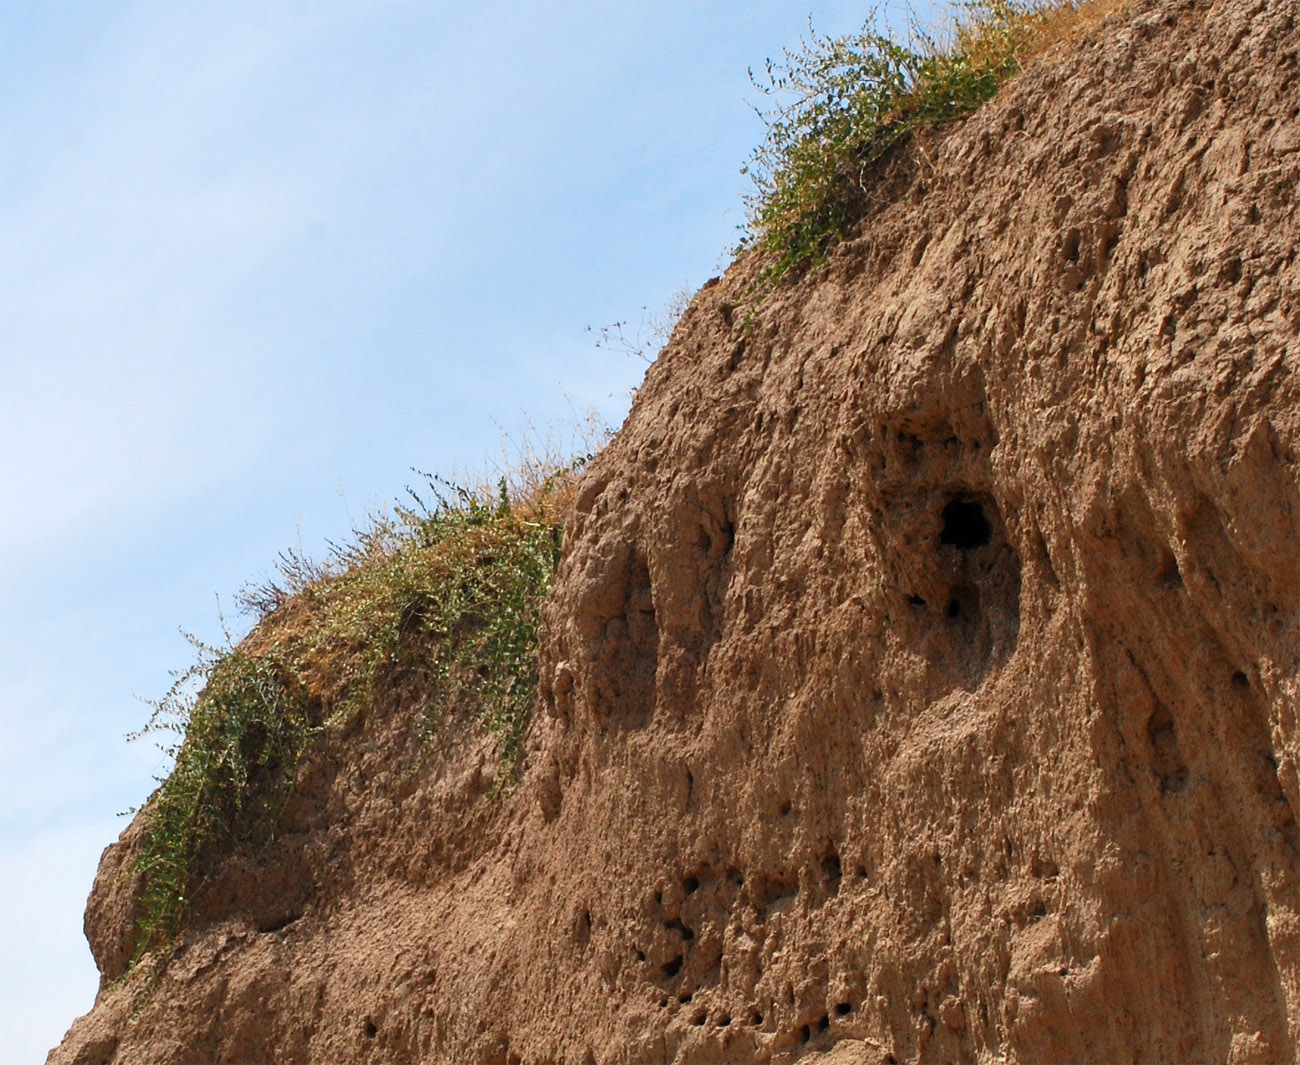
{"x": 921, "y": 675}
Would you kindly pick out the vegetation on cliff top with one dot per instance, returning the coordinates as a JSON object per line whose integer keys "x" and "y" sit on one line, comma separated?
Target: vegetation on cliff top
{"x": 427, "y": 600}
{"x": 841, "y": 105}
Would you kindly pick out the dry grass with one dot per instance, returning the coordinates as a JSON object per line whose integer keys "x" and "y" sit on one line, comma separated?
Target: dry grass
{"x": 1064, "y": 25}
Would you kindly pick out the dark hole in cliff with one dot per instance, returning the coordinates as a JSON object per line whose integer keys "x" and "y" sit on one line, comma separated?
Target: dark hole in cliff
{"x": 843, "y": 1009}
{"x": 805, "y": 1033}
{"x": 683, "y": 999}
{"x": 371, "y": 1030}
{"x": 824, "y": 1023}
{"x": 1240, "y": 680}
{"x": 756, "y": 1020}
{"x": 276, "y": 924}
{"x": 700, "y": 1018}
{"x": 675, "y": 925}
{"x": 640, "y": 610}
{"x": 964, "y": 612}
{"x": 582, "y": 928}
{"x": 640, "y": 955}
{"x": 1070, "y": 248}
{"x": 691, "y": 885}
{"x": 1168, "y": 575}
{"x": 964, "y": 525}
{"x": 1167, "y": 759}
{"x": 629, "y": 676}
{"x": 915, "y": 600}
{"x": 672, "y": 968}
{"x": 724, "y": 1021}
{"x": 785, "y": 808}
{"x": 832, "y": 872}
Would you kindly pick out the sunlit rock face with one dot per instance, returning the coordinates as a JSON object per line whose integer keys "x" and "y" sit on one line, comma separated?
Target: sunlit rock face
{"x": 919, "y": 682}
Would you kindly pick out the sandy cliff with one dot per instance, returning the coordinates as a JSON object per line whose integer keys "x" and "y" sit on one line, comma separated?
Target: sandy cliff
{"x": 922, "y": 670}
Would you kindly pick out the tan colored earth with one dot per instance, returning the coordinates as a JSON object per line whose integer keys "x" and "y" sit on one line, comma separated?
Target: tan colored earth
{"x": 922, "y": 672}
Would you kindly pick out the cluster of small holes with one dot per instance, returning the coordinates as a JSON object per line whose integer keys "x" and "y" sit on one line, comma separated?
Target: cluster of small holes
{"x": 771, "y": 891}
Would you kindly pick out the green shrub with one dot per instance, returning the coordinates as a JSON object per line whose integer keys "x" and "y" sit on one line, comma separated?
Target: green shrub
{"x": 842, "y": 104}
{"x": 237, "y": 745}
{"x": 430, "y": 601}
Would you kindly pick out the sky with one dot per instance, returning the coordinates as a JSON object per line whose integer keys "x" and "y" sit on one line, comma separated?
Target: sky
{"x": 258, "y": 261}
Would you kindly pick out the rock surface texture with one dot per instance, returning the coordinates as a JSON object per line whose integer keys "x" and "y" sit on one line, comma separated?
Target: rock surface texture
{"x": 923, "y": 670}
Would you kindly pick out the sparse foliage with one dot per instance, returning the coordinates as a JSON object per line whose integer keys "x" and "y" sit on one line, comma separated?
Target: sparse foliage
{"x": 645, "y": 340}
{"x": 441, "y": 595}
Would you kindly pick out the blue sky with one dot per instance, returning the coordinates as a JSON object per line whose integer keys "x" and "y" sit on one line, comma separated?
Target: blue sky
{"x": 257, "y": 261}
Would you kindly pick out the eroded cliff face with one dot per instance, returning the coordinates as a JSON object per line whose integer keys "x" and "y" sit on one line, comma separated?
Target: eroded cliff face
{"x": 922, "y": 671}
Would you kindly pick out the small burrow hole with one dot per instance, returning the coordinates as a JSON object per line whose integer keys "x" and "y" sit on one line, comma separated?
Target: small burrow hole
{"x": 691, "y": 885}
{"x": 756, "y": 1019}
{"x": 700, "y": 1018}
{"x": 1168, "y": 575}
{"x": 843, "y": 1009}
{"x": 685, "y": 998}
{"x": 724, "y": 1021}
{"x": 832, "y": 871}
{"x": 824, "y": 1023}
{"x": 964, "y": 525}
{"x": 676, "y": 925}
{"x": 1070, "y": 246}
{"x": 371, "y": 1030}
{"x": 805, "y": 1033}
{"x": 672, "y": 968}
{"x": 1240, "y": 680}
{"x": 915, "y": 600}
{"x": 785, "y": 808}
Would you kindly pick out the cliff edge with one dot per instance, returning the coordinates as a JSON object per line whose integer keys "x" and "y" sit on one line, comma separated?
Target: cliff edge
{"x": 921, "y": 672}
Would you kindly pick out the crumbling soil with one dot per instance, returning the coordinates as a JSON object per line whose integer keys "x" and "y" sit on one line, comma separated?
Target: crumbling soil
{"x": 921, "y": 676}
